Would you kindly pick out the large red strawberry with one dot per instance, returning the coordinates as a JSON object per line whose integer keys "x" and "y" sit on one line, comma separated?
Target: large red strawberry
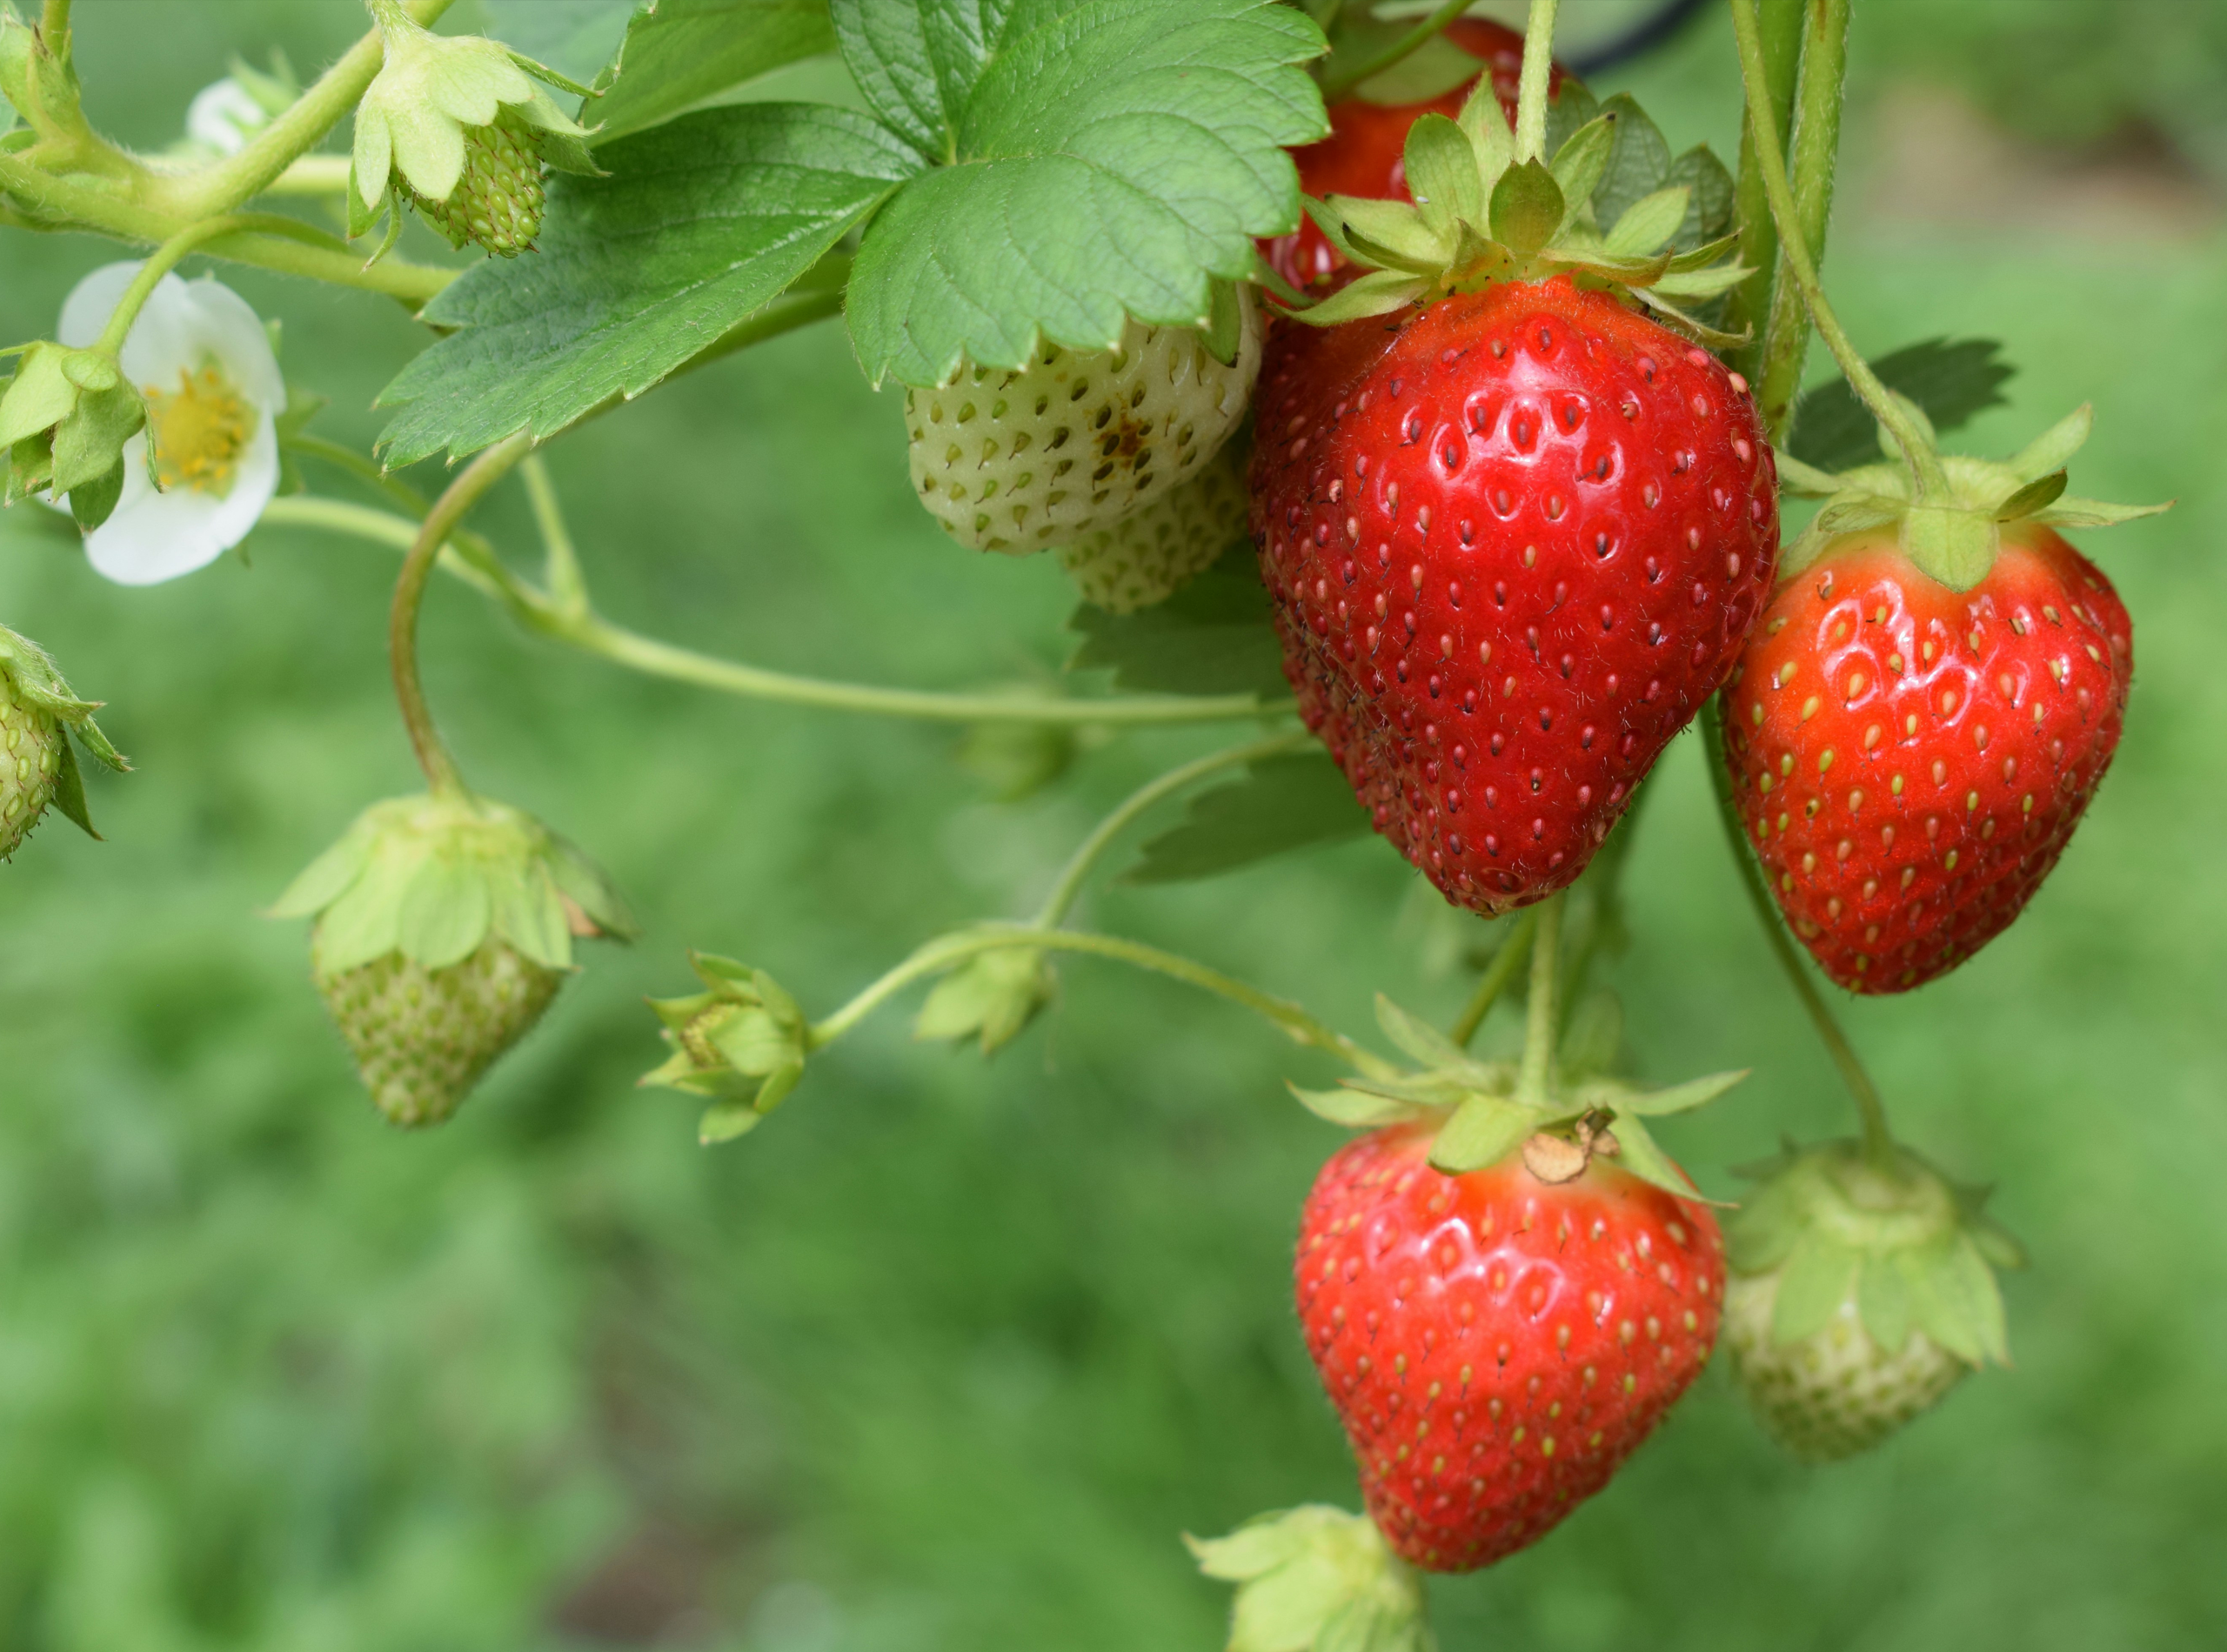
{"x": 1514, "y": 539}
{"x": 1494, "y": 1344}
{"x": 1919, "y": 722}
{"x": 1363, "y": 154}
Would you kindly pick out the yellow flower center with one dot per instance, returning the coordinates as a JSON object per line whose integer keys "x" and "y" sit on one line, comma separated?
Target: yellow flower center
{"x": 198, "y": 431}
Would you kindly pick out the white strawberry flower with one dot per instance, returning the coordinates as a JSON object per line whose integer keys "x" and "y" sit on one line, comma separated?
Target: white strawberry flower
{"x": 224, "y": 115}
{"x": 201, "y": 357}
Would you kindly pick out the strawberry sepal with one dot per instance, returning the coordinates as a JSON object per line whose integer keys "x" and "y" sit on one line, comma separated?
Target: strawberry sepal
{"x": 1317, "y": 1579}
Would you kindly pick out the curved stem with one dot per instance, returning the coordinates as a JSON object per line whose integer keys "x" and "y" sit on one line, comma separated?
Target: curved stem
{"x": 292, "y": 134}
{"x": 1064, "y": 891}
{"x": 1878, "y": 1140}
{"x": 948, "y": 950}
{"x": 1930, "y": 480}
{"x": 1497, "y": 975}
{"x": 345, "y": 458}
{"x": 1538, "y": 75}
{"x": 159, "y": 263}
{"x": 1396, "y": 53}
{"x": 1535, "y": 1080}
{"x": 475, "y": 479}
{"x": 591, "y": 634}
{"x": 560, "y": 572}
{"x": 1815, "y": 144}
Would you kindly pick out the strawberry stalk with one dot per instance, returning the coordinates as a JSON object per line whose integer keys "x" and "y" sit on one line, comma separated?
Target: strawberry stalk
{"x": 455, "y": 503}
{"x": 1878, "y": 1140}
{"x": 1538, "y": 78}
{"x": 1815, "y": 142}
{"x": 1495, "y": 980}
{"x": 1929, "y": 482}
{"x": 1780, "y": 27}
{"x": 1535, "y": 1080}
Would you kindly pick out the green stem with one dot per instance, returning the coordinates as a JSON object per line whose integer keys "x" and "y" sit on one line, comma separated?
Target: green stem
{"x": 1064, "y": 893}
{"x": 1538, "y": 75}
{"x": 1930, "y": 482}
{"x": 948, "y": 950}
{"x": 462, "y": 494}
{"x": 1780, "y": 30}
{"x": 312, "y": 175}
{"x": 159, "y": 263}
{"x": 1535, "y": 1081}
{"x": 1497, "y": 975}
{"x": 1394, "y": 54}
{"x": 594, "y": 635}
{"x": 561, "y": 576}
{"x": 1878, "y": 1140}
{"x": 1815, "y": 142}
{"x": 54, "y": 27}
{"x": 343, "y": 458}
{"x": 291, "y": 135}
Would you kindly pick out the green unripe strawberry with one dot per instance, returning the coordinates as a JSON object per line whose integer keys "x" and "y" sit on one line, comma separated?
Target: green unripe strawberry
{"x": 498, "y": 199}
{"x": 38, "y": 715}
{"x": 1858, "y": 1296}
{"x": 423, "y": 1036}
{"x": 1153, "y": 552}
{"x": 445, "y": 926}
{"x": 1025, "y": 459}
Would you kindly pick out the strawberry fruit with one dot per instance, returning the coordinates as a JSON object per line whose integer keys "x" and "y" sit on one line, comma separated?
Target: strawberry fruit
{"x": 1494, "y": 1344}
{"x": 1514, "y": 541}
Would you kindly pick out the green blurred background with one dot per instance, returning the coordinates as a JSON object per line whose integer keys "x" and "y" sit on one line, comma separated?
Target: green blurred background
{"x": 948, "y": 1355}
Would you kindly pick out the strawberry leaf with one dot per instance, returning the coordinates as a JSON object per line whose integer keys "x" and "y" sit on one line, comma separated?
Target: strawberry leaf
{"x": 1282, "y": 804}
{"x": 678, "y": 52}
{"x": 1950, "y": 382}
{"x": 1098, "y": 158}
{"x": 578, "y": 39}
{"x": 699, "y": 225}
{"x": 1212, "y": 637}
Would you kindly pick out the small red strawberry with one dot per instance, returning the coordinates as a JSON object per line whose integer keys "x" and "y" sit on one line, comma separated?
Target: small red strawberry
{"x": 1513, "y": 542}
{"x": 1363, "y": 154}
{"x": 1918, "y": 724}
{"x": 1496, "y": 1344}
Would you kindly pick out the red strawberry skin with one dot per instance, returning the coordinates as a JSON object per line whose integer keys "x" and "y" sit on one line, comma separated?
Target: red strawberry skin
{"x": 1364, "y": 153}
{"x": 1513, "y": 542}
{"x": 1494, "y": 1345}
{"x": 1910, "y": 761}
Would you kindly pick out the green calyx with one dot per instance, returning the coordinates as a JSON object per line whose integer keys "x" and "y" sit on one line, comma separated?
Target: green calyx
{"x": 1485, "y": 1113}
{"x": 41, "y": 722}
{"x": 1317, "y": 1579}
{"x": 742, "y": 1042}
{"x": 990, "y": 998}
{"x": 1949, "y": 510}
{"x": 1610, "y": 210}
{"x": 65, "y": 419}
{"x": 1912, "y": 1251}
{"x": 431, "y": 877}
{"x": 446, "y": 109}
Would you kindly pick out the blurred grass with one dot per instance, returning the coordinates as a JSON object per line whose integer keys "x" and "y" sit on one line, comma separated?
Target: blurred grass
{"x": 946, "y": 1355}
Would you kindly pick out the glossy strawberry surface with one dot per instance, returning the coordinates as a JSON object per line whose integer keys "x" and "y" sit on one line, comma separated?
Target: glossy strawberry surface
{"x": 1496, "y": 1345}
{"x": 1364, "y": 153}
{"x": 1910, "y": 761}
{"x": 1514, "y": 541}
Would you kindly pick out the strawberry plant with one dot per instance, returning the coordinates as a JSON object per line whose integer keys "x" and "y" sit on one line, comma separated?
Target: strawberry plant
{"x": 1386, "y": 396}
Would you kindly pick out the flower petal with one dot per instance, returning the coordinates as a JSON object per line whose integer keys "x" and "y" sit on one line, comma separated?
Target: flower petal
{"x": 153, "y": 537}
{"x": 222, "y": 324}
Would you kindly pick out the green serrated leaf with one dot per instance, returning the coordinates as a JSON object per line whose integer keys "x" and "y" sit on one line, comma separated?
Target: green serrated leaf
{"x": 578, "y": 39}
{"x": 1484, "y": 1130}
{"x": 1442, "y": 174}
{"x": 1107, "y": 159}
{"x": 700, "y": 223}
{"x": 444, "y": 913}
{"x": 1281, "y": 803}
{"x": 1817, "y": 1278}
{"x": 1950, "y": 382}
{"x": 680, "y": 52}
{"x": 1212, "y": 637}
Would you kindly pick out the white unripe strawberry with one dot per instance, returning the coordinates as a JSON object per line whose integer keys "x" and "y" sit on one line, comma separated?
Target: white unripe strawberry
{"x": 1154, "y": 551}
{"x": 1024, "y": 459}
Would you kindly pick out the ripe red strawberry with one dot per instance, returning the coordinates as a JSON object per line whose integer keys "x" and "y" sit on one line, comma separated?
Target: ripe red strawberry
{"x": 1496, "y": 1345}
{"x": 1364, "y": 153}
{"x": 1514, "y": 539}
{"x": 1911, "y": 759}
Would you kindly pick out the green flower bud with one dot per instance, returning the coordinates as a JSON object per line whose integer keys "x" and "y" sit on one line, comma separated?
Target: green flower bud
{"x": 458, "y": 125}
{"x": 38, "y": 715}
{"x": 742, "y": 1043}
{"x": 445, "y": 926}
